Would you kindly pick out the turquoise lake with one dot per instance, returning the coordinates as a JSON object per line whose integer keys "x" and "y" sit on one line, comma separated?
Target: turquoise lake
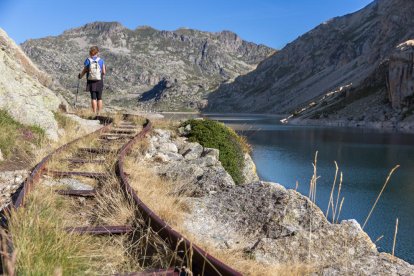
{"x": 284, "y": 154}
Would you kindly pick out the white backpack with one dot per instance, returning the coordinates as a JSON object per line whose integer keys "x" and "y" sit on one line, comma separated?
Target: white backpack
{"x": 94, "y": 69}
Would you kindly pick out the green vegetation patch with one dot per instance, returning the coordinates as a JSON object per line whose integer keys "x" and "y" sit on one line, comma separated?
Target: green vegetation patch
{"x": 212, "y": 134}
{"x": 16, "y": 137}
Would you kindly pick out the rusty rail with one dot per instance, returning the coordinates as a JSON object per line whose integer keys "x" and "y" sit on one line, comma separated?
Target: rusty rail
{"x": 202, "y": 262}
{"x": 41, "y": 166}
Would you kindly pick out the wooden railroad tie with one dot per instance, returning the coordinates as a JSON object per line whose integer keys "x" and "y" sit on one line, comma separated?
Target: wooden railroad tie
{"x": 82, "y": 193}
{"x": 94, "y": 175}
{"x": 83, "y": 161}
{"x": 96, "y": 150}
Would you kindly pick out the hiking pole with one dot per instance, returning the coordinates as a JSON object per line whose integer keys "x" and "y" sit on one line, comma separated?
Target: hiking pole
{"x": 77, "y": 92}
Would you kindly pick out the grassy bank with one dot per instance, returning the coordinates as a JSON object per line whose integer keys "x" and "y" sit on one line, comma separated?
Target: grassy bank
{"x": 16, "y": 138}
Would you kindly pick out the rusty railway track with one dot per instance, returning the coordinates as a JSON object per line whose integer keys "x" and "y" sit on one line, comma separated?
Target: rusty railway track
{"x": 202, "y": 263}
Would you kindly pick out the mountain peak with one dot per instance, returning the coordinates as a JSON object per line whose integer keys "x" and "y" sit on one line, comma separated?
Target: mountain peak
{"x": 98, "y": 26}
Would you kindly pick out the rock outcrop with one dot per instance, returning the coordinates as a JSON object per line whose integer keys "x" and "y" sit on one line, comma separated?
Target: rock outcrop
{"x": 23, "y": 89}
{"x": 401, "y": 76}
{"x": 176, "y": 159}
{"x": 278, "y": 226}
{"x": 147, "y": 67}
{"x": 337, "y": 65}
{"x": 264, "y": 220}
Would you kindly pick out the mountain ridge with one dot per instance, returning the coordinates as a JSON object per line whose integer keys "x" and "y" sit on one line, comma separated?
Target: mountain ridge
{"x": 341, "y": 54}
{"x": 178, "y": 68}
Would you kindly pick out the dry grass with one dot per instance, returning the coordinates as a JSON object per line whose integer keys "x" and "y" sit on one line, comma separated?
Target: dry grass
{"x": 165, "y": 124}
{"x": 40, "y": 241}
{"x": 161, "y": 196}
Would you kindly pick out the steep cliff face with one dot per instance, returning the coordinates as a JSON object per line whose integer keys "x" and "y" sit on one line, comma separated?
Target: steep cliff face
{"x": 335, "y": 61}
{"x": 23, "y": 91}
{"x": 401, "y": 76}
{"x": 171, "y": 69}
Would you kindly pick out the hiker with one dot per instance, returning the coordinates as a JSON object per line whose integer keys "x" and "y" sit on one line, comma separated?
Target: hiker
{"x": 94, "y": 69}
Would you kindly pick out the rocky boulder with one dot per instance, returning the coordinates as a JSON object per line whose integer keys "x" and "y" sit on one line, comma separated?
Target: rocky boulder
{"x": 198, "y": 168}
{"x": 401, "y": 76}
{"x": 278, "y": 226}
{"x": 23, "y": 93}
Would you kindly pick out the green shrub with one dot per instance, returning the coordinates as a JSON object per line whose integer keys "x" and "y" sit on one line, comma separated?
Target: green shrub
{"x": 15, "y": 136}
{"x": 212, "y": 134}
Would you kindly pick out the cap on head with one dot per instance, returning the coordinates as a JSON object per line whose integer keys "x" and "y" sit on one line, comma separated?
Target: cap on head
{"x": 93, "y": 50}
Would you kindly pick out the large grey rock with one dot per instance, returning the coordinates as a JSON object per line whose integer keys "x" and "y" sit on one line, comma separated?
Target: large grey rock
{"x": 279, "y": 226}
{"x": 23, "y": 93}
{"x": 164, "y": 69}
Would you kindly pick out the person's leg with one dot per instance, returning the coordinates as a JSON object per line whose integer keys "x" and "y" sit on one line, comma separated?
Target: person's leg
{"x": 100, "y": 103}
{"x": 94, "y": 105}
{"x": 93, "y": 101}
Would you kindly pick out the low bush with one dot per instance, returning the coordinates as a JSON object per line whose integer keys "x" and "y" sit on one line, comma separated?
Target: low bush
{"x": 212, "y": 134}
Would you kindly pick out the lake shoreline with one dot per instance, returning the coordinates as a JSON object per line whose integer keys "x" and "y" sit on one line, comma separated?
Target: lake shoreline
{"x": 386, "y": 126}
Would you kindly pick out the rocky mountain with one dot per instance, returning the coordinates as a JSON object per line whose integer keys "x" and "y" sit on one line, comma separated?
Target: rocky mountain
{"x": 165, "y": 70}
{"x": 354, "y": 68}
{"x": 24, "y": 91}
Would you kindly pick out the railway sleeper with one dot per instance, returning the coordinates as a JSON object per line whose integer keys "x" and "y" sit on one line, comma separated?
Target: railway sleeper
{"x": 81, "y": 193}
{"x": 95, "y": 175}
{"x": 96, "y": 150}
{"x": 83, "y": 161}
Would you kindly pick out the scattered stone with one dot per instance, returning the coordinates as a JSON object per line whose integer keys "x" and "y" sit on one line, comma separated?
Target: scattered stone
{"x": 168, "y": 147}
{"x": 191, "y": 151}
{"x": 70, "y": 183}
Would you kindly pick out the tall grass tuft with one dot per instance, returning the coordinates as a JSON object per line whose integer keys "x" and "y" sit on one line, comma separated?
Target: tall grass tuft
{"x": 379, "y": 195}
{"x": 40, "y": 241}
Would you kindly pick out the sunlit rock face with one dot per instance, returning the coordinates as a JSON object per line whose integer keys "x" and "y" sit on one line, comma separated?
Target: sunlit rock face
{"x": 23, "y": 89}
{"x": 344, "y": 52}
{"x": 401, "y": 76}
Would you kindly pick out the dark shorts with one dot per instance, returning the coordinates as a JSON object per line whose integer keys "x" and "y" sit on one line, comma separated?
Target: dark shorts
{"x": 96, "y": 95}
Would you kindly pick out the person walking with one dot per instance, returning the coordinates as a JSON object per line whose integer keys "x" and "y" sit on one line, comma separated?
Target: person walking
{"x": 95, "y": 69}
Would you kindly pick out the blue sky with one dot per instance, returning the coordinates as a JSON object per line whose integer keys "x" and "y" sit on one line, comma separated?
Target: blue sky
{"x": 270, "y": 22}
